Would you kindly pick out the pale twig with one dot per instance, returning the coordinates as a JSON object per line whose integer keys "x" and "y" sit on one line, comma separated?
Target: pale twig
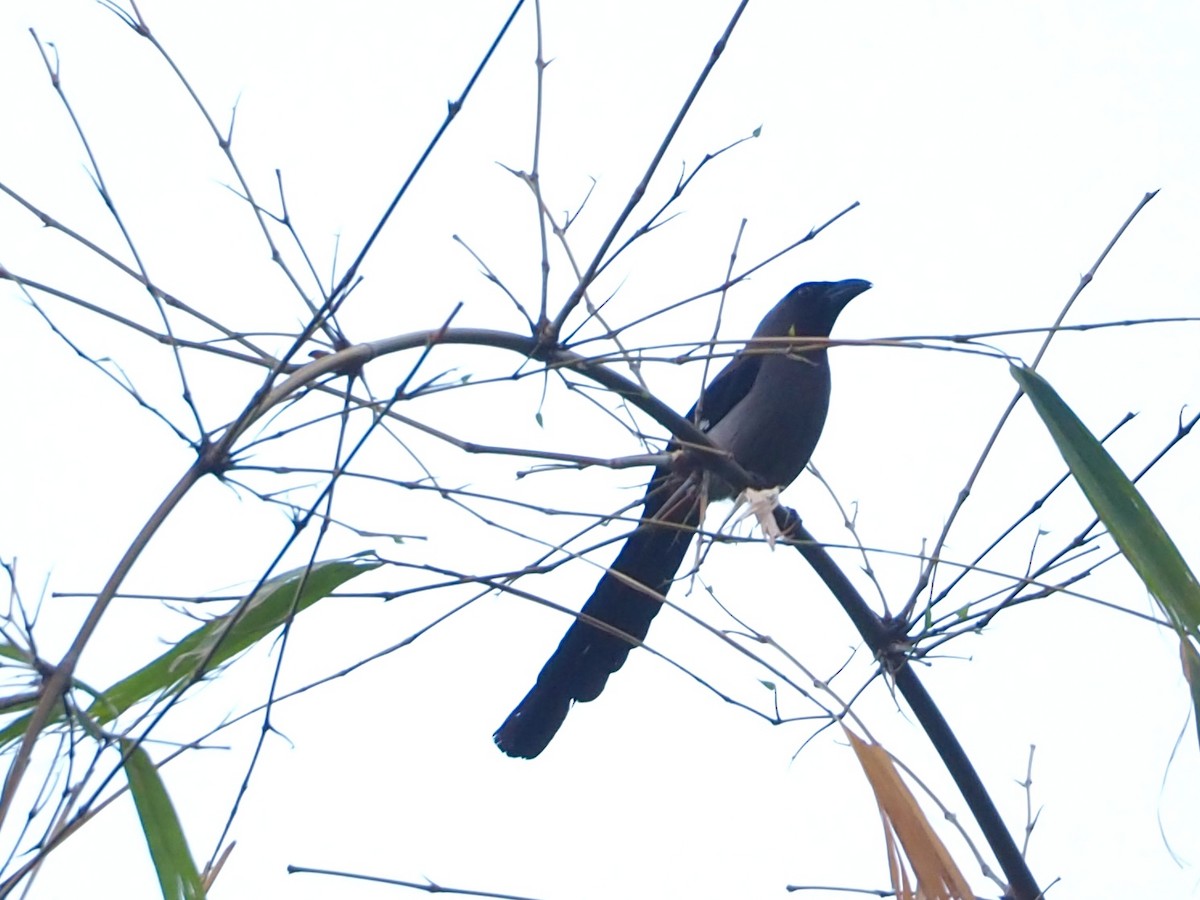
{"x": 111, "y": 204}
{"x": 430, "y": 887}
{"x": 555, "y": 328}
{"x": 741, "y": 276}
{"x": 680, "y": 186}
{"x": 965, "y": 492}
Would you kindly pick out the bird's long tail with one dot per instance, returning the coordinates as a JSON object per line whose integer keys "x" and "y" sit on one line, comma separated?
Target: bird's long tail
{"x": 627, "y": 599}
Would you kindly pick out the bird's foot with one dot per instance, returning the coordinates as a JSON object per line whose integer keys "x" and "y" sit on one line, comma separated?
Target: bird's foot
{"x": 761, "y": 504}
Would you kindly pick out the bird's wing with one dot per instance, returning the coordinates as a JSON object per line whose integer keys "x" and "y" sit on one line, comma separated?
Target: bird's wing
{"x": 728, "y": 389}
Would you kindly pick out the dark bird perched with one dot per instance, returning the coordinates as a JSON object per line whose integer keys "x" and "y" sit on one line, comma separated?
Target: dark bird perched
{"x": 766, "y": 408}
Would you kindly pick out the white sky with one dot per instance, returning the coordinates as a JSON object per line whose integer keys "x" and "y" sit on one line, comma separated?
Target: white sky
{"x": 995, "y": 150}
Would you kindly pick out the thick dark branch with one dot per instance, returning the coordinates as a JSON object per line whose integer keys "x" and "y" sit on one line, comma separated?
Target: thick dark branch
{"x": 887, "y": 642}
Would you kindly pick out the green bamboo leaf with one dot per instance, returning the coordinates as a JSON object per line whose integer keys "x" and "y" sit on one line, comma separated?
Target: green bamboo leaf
{"x": 21, "y": 697}
{"x": 217, "y": 640}
{"x": 18, "y": 727}
{"x": 1189, "y": 657}
{"x": 15, "y": 653}
{"x": 1133, "y": 526}
{"x": 177, "y": 873}
{"x": 224, "y": 637}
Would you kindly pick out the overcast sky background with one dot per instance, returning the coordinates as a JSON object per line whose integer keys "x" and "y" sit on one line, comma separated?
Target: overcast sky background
{"x": 994, "y": 151}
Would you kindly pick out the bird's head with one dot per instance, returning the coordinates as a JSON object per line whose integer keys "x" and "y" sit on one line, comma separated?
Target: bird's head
{"x": 809, "y": 310}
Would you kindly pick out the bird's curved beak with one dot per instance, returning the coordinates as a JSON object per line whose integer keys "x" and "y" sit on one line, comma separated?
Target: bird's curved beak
{"x": 843, "y": 292}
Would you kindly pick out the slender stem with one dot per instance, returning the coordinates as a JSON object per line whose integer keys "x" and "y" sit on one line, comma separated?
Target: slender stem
{"x": 638, "y": 192}
{"x": 1084, "y": 281}
{"x": 56, "y": 684}
{"x": 452, "y": 110}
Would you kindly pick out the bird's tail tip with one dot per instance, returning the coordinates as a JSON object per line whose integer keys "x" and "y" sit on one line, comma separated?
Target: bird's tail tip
{"x": 530, "y": 727}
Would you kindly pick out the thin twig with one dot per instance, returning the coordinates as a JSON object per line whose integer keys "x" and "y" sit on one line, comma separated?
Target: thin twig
{"x": 963, "y": 494}
{"x": 553, "y": 329}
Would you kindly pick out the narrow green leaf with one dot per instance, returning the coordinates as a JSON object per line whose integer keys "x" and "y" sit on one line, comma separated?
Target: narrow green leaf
{"x": 226, "y": 636}
{"x": 1189, "y": 658}
{"x": 13, "y": 652}
{"x": 18, "y": 727}
{"x": 177, "y": 873}
{"x": 14, "y": 729}
{"x": 1133, "y": 526}
{"x": 1120, "y": 506}
{"x": 222, "y": 637}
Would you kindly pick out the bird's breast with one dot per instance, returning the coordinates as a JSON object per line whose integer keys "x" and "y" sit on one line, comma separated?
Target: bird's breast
{"x": 773, "y": 430}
